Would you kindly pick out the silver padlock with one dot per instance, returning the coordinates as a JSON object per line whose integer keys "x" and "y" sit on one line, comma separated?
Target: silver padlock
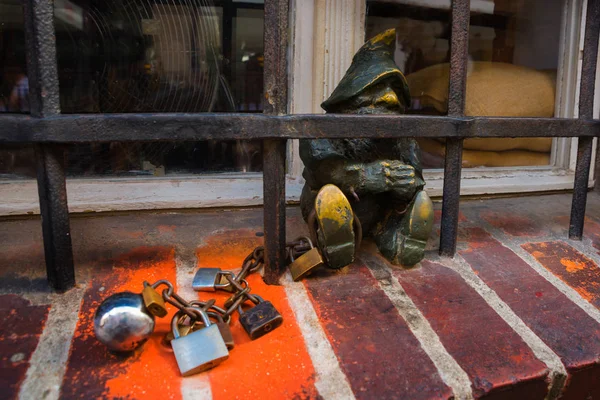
{"x": 210, "y": 279}
{"x": 199, "y": 350}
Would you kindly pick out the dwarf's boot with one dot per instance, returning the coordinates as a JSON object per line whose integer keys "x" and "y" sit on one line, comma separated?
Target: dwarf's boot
{"x": 404, "y": 236}
{"x": 335, "y": 227}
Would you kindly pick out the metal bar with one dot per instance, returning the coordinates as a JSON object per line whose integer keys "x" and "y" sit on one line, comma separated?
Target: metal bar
{"x": 274, "y": 208}
{"x": 55, "y": 217}
{"x": 44, "y": 102}
{"x": 92, "y": 128}
{"x": 275, "y": 79}
{"x": 457, "y": 88}
{"x": 586, "y": 110}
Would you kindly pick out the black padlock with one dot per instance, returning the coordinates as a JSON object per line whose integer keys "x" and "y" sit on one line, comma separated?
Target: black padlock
{"x": 260, "y": 319}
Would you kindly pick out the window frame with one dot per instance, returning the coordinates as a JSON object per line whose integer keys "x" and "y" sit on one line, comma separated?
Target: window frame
{"x": 321, "y": 58}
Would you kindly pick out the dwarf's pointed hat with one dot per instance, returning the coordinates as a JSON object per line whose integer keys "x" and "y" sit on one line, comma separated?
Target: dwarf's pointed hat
{"x": 372, "y": 64}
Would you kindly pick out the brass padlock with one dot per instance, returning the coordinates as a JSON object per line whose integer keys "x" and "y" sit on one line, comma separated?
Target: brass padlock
{"x": 153, "y": 300}
{"x": 305, "y": 264}
{"x": 199, "y": 350}
{"x": 260, "y": 319}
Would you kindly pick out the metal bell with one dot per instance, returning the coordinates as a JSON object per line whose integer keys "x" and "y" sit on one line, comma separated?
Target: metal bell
{"x": 122, "y": 322}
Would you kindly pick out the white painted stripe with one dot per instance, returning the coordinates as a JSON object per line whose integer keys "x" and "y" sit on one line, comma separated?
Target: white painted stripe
{"x": 195, "y": 387}
{"x": 558, "y": 372}
{"x": 450, "y": 371}
{"x": 515, "y": 245}
{"x": 48, "y": 362}
{"x": 330, "y": 381}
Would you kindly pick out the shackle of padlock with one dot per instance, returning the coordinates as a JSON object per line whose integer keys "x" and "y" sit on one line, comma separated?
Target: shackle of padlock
{"x": 175, "y": 321}
{"x": 179, "y": 318}
{"x": 298, "y": 239}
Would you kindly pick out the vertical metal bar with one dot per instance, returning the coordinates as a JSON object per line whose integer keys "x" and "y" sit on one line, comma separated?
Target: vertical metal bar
{"x": 44, "y": 102}
{"x": 459, "y": 50}
{"x": 274, "y": 150}
{"x": 586, "y": 110}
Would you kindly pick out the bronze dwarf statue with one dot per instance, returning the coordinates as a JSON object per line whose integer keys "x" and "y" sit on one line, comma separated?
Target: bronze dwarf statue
{"x": 382, "y": 178}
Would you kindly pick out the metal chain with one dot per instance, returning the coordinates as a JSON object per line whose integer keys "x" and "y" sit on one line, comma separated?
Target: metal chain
{"x": 252, "y": 263}
{"x": 241, "y": 289}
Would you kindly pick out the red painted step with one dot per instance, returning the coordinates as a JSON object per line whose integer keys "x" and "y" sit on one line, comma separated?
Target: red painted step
{"x": 559, "y": 322}
{"x": 375, "y": 347}
{"x": 498, "y": 362}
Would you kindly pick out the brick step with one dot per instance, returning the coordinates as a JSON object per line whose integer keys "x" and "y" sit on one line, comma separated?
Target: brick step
{"x": 513, "y": 316}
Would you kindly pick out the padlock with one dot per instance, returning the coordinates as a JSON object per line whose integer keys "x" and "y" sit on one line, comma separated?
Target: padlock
{"x": 122, "y": 322}
{"x": 211, "y": 279}
{"x": 260, "y": 319}
{"x": 153, "y": 301}
{"x": 199, "y": 350}
{"x": 305, "y": 264}
{"x": 224, "y": 329}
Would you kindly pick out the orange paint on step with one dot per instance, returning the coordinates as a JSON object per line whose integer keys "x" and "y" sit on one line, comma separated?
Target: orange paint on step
{"x": 151, "y": 372}
{"x": 274, "y": 366}
{"x": 572, "y": 266}
{"x": 154, "y": 373}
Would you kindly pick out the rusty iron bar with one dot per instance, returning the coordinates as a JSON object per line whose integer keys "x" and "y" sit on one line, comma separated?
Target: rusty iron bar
{"x": 586, "y": 112}
{"x": 95, "y": 128}
{"x": 276, "y": 23}
{"x": 457, "y": 87}
{"x": 44, "y": 102}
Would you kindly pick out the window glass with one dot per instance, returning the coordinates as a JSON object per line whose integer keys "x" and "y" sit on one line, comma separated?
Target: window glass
{"x": 149, "y": 56}
{"x": 14, "y": 86}
{"x": 513, "y": 59}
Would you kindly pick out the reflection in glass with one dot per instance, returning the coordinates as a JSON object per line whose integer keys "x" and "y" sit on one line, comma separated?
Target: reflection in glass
{"x": 513, "y": 58}
{"x": 146, "y": 56}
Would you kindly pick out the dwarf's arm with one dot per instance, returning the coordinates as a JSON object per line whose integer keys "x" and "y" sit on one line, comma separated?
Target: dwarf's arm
{"x": 325, "y": 164}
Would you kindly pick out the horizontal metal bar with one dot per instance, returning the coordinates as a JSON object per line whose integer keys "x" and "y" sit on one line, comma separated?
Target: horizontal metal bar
{"x": 85, "y": 128}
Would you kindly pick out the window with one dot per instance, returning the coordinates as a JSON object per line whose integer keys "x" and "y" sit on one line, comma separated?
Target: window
{"x": 150, "y": 56}
{"x": 326, "y": 34}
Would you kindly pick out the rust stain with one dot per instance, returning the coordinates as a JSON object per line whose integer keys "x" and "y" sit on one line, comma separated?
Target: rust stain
{"x": 276, "y": 365}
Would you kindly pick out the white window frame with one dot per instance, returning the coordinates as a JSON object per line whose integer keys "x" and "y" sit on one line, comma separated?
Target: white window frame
{"x": 325, "y": 36}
